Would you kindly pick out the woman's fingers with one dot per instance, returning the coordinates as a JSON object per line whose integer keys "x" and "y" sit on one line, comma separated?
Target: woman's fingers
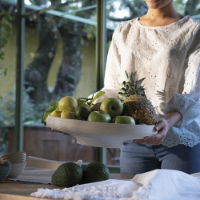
{"x": 161, "y": 124}
{"x": 139, "y": 141}
{"x": 161, "y": 128}
{"x": 155, "y": 139}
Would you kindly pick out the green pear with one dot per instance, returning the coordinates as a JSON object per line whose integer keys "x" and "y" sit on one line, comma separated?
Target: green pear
{"x": 55, "y": 113}
{"x": 67, "y": 103}
{"x": 68, "y": 115}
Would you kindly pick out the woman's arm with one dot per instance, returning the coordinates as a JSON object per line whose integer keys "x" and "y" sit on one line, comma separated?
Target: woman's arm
{"x": 172, "y": 118}
{"x": 113, "y": 63}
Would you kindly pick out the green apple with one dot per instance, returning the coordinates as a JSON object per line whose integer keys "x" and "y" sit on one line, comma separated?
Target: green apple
{"x": 112, "y": 106}
{"x": 83, "y": 111}
{"x": 124, "y": 120}
{"x": 55, "y": 113}
{"x": 67, "y": 103}
{"x": 98, "y": 116}
{"x": 68, "y": 115}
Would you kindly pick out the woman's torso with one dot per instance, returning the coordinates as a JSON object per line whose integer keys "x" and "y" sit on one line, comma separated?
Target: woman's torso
{"x": 160, "y": 54}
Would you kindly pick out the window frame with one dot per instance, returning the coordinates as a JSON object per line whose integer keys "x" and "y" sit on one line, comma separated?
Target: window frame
{"x": 100, "y": 64}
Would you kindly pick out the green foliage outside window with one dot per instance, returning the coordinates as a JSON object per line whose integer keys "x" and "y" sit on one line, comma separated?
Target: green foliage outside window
{"x": 5, "y": 30}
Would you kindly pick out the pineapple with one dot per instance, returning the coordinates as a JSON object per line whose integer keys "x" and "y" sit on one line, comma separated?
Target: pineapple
{"x": 135, "y": 102}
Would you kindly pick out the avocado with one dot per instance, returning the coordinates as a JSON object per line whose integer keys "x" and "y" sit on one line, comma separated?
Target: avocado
{"x": 67, "y": 175}
{"x": 95, "y": 171}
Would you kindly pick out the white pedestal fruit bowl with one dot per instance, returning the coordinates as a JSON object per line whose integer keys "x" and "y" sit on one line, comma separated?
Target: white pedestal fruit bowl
{"x": 99, "y": 134}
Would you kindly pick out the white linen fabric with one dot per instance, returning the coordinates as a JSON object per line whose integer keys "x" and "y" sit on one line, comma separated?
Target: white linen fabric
{"x": 104, "y": 190}
{"x": 169, "y": 59}
{"x": 154, "y": 185}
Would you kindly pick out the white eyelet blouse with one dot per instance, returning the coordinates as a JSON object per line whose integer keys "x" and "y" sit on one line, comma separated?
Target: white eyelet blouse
{"x": 169, "y": 59}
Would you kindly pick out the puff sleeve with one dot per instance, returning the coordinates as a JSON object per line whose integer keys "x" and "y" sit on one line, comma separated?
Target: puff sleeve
{"x": 113, "y": 64}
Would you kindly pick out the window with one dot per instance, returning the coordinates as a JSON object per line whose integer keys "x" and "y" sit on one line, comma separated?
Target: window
{"x": 7, "y": 72}
{"x": 59, "y": 60}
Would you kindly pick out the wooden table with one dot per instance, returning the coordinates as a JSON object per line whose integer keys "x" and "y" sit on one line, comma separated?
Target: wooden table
{"x": 28, "y": 182}
{"x": 19, "y": 191}
{"x": 25, "y": 184}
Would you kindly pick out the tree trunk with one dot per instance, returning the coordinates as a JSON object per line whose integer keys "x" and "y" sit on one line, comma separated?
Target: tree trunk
{"x": 72, "y": 34}
{"x": 70, "y": 68}
{"x": 37, "y": 71}
{"x": 36, "y": 75}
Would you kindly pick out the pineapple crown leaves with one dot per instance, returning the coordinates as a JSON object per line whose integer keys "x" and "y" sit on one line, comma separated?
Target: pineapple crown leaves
{"x": 132, "y": 86}
{"x": 161, "y": 95}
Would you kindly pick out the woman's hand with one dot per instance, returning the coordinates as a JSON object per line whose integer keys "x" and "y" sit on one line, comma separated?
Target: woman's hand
{"x": 162, "y": 127}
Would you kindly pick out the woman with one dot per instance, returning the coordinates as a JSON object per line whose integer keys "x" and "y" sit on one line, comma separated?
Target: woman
{"x": 163, "y": 47}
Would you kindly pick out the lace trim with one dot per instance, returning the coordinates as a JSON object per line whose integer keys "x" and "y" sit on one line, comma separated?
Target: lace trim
{"x": 187, "y": 131}
{"x": 143, "y": 193}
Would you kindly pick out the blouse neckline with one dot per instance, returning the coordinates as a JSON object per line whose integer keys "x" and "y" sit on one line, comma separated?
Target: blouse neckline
{"x": 178, "y": 22}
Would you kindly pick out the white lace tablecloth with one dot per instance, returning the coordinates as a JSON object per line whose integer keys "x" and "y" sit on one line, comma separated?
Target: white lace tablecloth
{"x": 154, "y": 185}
